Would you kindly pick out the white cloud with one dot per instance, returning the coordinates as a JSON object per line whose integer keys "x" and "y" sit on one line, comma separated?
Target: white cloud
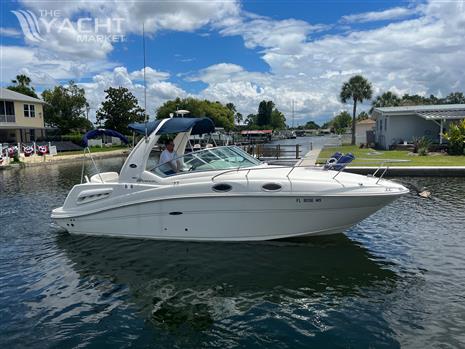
{"x": 44, "y": 67}
{"x": 64, "y": 54}
{"x": 158, "y": 90}
{"x": 422, "y": 55}
{"x": 389, "y": 14}
{"x": 10, "y": 32}
{"x": 283, "y": 36}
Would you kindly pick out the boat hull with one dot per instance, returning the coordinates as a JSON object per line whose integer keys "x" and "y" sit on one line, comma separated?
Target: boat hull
{"x": 227, "y": 218}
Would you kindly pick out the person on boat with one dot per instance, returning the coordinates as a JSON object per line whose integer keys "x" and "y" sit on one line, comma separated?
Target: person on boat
{"x": 168, "y": 157}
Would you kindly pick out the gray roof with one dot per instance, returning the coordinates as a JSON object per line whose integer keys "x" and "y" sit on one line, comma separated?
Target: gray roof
{"x": 6, "y": 94}
{"x": 443, "y": 114}
{"x": 428, "y": 112}
{"x": 420, "y": 108}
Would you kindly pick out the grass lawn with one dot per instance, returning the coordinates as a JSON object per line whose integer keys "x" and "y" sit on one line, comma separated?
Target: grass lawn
{"x": 366, "y": 157}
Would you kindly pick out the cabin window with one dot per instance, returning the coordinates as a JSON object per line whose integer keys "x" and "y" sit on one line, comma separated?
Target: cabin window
{"x": 29, "y": 111}
{"x": 222, "y": 187}
{"x": 271, "y": 187}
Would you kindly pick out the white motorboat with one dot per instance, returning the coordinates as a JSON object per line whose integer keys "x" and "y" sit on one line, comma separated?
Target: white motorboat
{"x": 220, "y": 194}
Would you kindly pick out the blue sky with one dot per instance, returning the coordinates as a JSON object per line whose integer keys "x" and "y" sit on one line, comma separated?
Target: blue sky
{"x": 241, "y": 52}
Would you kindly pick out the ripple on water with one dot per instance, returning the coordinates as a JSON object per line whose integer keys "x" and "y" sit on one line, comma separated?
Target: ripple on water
{"x": 396, "y": 279}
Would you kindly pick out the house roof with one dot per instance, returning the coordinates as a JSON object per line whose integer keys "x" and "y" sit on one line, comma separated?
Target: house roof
{"x": 366, "y": 122}
{"x": 428, "y": 112}
{"x": 6, "y": 94}
{"x": 420, "y": 108}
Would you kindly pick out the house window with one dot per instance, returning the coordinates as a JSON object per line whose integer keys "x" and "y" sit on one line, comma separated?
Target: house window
{"x": 381, "y": 125}
{"x": 29, "y": 111}
{"x": 7, "y": 111}
{"x": 385, "y": 124}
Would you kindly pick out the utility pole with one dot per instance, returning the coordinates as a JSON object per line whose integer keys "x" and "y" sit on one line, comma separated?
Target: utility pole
{"x": 292, "y": 113}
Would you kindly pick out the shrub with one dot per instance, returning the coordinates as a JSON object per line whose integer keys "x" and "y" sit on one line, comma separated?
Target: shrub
{"x": 76, "y": 138}
{"x": 456, "y": 138}
{"x": 421, "y": 145}
{"x": 422, "y": 151}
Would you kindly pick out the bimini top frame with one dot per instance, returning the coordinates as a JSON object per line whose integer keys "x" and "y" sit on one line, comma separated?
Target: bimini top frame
{"x": 135, "y": 163}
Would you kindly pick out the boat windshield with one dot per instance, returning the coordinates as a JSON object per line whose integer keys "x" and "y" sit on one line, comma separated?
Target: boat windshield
{"x": 210, "y": 159}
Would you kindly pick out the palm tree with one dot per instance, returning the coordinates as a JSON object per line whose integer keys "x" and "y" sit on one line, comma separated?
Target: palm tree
{"x": 238, "y": 118}
{"x": 387, "y": 99}
{"x": 22, "y": 80}
{"x": 358, "y": 89}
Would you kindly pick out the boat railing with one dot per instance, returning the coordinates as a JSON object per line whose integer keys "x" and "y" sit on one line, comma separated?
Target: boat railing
{"x": 249, "y": 169}
{"x": 383, "y": 167}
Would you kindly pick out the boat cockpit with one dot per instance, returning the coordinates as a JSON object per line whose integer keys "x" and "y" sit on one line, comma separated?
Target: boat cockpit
{"x": 209, "y": 159}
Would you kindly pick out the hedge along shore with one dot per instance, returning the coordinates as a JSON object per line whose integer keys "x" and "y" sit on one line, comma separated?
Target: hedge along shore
{"x": 49, "y": 159}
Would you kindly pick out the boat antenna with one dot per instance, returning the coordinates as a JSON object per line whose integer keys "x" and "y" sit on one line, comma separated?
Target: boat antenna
{"x": 145, "y": 83}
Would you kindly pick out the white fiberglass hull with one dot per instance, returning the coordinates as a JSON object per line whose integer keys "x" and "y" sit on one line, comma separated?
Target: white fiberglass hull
{"x": 227, "y": 218}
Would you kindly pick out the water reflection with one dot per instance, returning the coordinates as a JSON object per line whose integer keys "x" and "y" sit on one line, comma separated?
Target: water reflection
{"x": 195, "y": 284}
{"x": 398, "y": 279}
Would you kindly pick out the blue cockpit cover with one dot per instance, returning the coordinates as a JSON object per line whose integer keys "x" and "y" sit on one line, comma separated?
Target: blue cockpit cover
{"x": 100, "y": 131}
{"x": 175, "y": 125}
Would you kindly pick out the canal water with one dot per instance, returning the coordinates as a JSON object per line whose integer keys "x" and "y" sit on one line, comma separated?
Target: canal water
{"x": 396, "y": 279}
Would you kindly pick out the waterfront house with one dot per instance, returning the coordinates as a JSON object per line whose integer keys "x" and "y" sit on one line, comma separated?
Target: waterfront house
{"x": 21, "y": 117}
{"x": 398, "y": 125}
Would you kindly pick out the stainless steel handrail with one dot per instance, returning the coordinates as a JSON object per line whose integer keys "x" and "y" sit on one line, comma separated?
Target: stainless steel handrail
{"x": 320, "y": 168}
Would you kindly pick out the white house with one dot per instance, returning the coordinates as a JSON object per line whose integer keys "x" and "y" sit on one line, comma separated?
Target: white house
{"x": 21, "y": 117}
{"x": 362, "y": 128}
{"x": 396, "y": 125}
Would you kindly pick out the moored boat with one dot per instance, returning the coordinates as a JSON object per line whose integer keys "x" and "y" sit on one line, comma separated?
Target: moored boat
{"x": 217, "y": 194}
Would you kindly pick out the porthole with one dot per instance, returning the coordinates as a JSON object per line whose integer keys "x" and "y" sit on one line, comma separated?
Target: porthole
{"x": 222, "y": 187}
{"x": 271, "y": 187}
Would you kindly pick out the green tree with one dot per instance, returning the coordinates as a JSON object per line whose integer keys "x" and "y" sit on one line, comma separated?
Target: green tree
{"x": 456, "y": 138}
{"x": 327, "y": 124}
{"x": 363, "y": 116}
{"x": 22, "y": 85}
{"x": 454, "y": 98}
{"x": 238, "y": 117}
{"x": 387, "y": 99}
{"x": 265, "y": 108}
{"x": 66, "y": 108}
{"x": 231, "y": 107}
{"x": 278, "y": 120}
{"x": 221, "y": 115}
{"x": 311, "y": 125}
{"x": 251, "y": 119}
{"x": 408, "y": 100}
{"x": 341, "y": 122}
{"x": 119, "y": 109}
{"x": 356, "y": 89}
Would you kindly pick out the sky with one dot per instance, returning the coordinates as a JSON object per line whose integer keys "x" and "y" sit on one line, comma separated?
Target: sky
{"x": 237, "y": 51}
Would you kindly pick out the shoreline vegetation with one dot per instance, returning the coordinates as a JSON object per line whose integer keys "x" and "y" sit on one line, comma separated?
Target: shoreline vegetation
{"x": 370, "y": 157}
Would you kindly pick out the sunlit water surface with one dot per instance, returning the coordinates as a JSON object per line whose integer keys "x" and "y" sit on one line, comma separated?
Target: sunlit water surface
{"x": 396, "y": 279}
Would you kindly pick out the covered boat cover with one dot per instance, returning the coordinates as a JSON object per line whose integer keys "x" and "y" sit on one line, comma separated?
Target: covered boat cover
{"x": 101, "y": 131}
{"x": 175, "y": 125}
